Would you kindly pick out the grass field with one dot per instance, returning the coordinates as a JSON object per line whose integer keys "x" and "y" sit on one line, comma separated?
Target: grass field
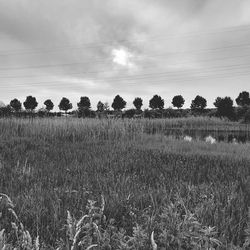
{"x": 191, "y": 195}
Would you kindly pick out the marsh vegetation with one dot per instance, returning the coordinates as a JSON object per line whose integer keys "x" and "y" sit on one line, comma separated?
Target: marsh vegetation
{"x": 138, "y": 183}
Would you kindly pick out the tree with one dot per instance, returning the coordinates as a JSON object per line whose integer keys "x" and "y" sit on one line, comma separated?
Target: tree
{"x": 16, "y": 105}
{"x": 5, "y": 111}
{"x": 30, "y": 103}
{"x": 118, "y": 103}
{"x": 100, "y": 106}
{"x": 49, "y": 105}
{"x": 178, "y": 101}
{"x": 84, "y": 103}
{"x": 199, "y": 103}
{"x": 84, "y": 107}
{"x": 106, "y": 106}
{"x": 137, "y": 103}
{"x": 65, "y": 104}
{"x": 224, "y": 106}
{"x": 243, "y": 99}
{"x": 156, "y": 102}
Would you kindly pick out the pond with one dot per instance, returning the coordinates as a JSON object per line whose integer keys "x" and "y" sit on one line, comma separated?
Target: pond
{"x": 232, "y": 136}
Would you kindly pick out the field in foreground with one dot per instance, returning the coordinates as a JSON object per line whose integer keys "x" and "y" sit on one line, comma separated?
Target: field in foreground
{"x": 191, "y": 195}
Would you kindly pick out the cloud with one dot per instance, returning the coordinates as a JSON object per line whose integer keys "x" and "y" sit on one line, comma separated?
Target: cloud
{"x": 134, "y": 47}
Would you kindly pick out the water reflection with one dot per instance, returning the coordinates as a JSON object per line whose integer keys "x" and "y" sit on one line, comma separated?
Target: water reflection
{"x": 211, "y": 136}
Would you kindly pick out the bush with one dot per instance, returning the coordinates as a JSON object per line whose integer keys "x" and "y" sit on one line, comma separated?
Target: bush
{"x": 153, "y": 113}
{"x": 173, "y": 113}
{"x": 5, "y": 111}
{"x": 129, "y": 113}
{"x": 212, "y": 113}
{"x": 247, "y": 116}
{"x": 241, "y": 112}
{"x": 86, "y": 113}
{"x": 42, "y": 112}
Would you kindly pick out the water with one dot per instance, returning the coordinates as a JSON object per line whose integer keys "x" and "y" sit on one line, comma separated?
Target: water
{"x": 218, "y": 135}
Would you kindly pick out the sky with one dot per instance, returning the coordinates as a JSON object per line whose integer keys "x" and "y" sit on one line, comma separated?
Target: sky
{"x": 135, "y": 48}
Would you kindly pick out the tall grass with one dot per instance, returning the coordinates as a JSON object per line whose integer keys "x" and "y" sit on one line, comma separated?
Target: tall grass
{"x": 150, "y": 183}
{"x": 112, "y": 128}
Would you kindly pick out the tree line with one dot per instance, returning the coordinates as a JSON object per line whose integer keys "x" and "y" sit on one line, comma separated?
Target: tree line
{"x": 224, "y": 105}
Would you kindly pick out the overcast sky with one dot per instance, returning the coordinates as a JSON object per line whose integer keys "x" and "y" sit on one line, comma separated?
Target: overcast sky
{"x": 100, "y": 48}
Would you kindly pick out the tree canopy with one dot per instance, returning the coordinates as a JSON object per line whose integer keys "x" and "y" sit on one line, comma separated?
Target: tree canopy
{"x": 100, "y": 106}
{"x": 118, "y": 103}
{"x": 156, "y": 102}
{"x": 138, "y": 103}
{"x": 224, "y": 106}
{"x": 65, "y": 104}
{"x": 243, "y": 99}
{"x": 178, "y": 101}
{"x": 49, "y": 105}
{"x": 30, "y": 103}
{"x": 199, "y": 103}
{"x": 16, "y": 105}
{"x": 84, "y": 103}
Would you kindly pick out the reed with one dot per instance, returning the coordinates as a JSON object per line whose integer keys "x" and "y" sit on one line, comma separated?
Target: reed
{"x": 151, "y": 182}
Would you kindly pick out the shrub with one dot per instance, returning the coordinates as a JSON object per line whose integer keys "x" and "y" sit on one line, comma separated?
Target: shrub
{"x": 130, "y": 113}
{"x": 247, "y": 116}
